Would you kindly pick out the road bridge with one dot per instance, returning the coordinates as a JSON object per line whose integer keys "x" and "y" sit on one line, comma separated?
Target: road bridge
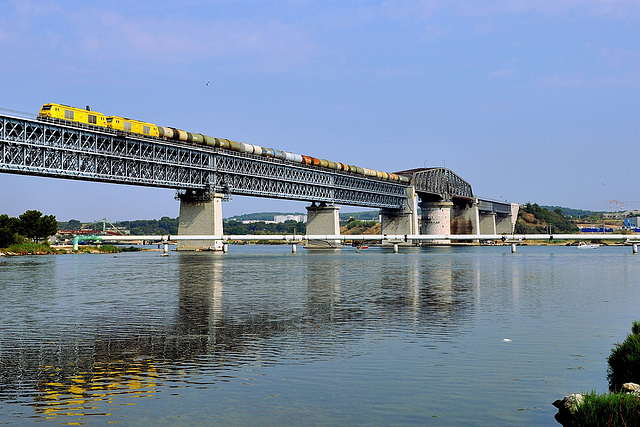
{"x": 203, "y": 176}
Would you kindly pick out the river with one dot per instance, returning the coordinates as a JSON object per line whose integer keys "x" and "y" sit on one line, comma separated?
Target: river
{"x": 261, "y": 336}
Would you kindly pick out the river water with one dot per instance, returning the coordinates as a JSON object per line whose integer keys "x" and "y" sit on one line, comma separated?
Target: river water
{"x": 261, "y": 336}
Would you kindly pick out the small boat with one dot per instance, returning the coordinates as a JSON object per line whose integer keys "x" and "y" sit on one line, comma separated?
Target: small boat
{"x": 585, "y": 245}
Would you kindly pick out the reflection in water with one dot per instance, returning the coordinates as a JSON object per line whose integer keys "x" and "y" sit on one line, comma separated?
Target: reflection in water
{"x": 80, "y": 395}
{"x": 85, "y": 336}
{"x": 225, "y": 312}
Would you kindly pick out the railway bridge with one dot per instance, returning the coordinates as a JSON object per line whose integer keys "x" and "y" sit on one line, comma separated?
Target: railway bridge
{"x": 204, "y": 176}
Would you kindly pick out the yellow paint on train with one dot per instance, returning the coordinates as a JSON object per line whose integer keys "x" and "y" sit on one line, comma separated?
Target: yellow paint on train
{"x": 130, "y": 125}
{"x": 64, "y": 112}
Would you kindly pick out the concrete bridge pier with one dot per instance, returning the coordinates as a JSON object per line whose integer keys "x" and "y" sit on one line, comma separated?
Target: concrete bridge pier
{"x": 465, "y": 218}
{"x": 501, "y": 222}
{"x": 506, "y": 224}
{"x": 487, "y": 223}
{"x": 325, "y": 220}
{"x": 200, "y": 215}
{"x": 436, "y": 219}
{"x": 401, "y": 221}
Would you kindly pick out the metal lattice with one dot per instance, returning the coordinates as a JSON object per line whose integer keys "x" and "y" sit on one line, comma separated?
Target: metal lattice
{"x": 61, "y": 150}
{"x": 441, "y": 182}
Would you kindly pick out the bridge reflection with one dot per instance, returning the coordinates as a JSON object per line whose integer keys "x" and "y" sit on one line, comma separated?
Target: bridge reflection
{"x": 227, "y": 317}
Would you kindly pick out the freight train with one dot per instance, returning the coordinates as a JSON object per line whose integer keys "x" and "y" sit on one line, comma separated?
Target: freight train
{"x": 88, "y": 117}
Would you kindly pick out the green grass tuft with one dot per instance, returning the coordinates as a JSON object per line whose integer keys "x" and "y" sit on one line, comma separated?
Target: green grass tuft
{"x": 32, "y": 249}
{"x": 109, "y": 249}
{"x": 609, "y": 409}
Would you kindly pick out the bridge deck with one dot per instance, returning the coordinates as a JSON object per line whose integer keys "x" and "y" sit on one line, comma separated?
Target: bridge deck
{"x": 63, "y": 150}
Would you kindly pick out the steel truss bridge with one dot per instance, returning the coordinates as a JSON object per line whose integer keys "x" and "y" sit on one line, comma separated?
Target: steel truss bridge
{"x": 65, "y": 150}
{"x": 59, "y": 149}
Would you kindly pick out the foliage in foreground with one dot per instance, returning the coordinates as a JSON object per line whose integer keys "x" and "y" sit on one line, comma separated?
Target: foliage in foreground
{"x": 617, "y": 408}
{"x": 624, "y": 360}
{"x": 609, "y": 409}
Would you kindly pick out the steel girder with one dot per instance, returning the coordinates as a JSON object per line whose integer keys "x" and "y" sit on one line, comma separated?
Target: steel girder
{"x": 442, "y": 183}
{"x": 62, "y": 150}
{"x": 495, "y": 207}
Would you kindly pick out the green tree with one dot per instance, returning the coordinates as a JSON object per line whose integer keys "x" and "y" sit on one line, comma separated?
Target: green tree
{"x": 74, "y": 224}
{"x": 33, "y": 225}
{"x": 28, "y": 226}
{"x": 47, "y": 226}
{"x": 8, "y": 231}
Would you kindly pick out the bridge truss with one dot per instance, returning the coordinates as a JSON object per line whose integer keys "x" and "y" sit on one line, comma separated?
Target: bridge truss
{"x": 439, "y": 182}
{"x": 64, "y": 150}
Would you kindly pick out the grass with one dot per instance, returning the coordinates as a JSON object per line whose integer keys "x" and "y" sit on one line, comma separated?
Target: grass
{"x": 105, "y": 249}
{"x": 609, "y": 409}
{"x": 32, "y": 249}
{"x": 109, "y": 249}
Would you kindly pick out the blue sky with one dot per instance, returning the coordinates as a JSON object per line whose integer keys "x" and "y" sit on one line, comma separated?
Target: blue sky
{"x": 526, "y": 100}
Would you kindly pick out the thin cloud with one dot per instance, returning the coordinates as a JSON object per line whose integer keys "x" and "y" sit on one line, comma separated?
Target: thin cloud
{"x": 172, "y": 41}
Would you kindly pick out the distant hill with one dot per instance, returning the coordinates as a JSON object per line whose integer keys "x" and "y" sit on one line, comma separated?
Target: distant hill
{"x": 533, "y": 218}
{"x": 575, "y": 213}
{"x": 361, "y": 216}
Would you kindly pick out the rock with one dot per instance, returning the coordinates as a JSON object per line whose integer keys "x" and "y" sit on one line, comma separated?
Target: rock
{"x": 567, "y": 407}
{"x": 630, "y": 387}
{"x": 572, "y": 402}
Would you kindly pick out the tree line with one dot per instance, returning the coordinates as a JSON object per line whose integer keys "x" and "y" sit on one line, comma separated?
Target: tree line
{"x": 533, "y": 218}
{"x": 164, "y": 225}
{"x": 287, "y": 227}
{"x": 31, "y": 225}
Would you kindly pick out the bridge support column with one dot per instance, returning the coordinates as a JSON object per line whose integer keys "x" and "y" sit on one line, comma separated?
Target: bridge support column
{"x": 506, "y": 224}
{"x": 324, "y": 220}
{"x": 488, "y": 223}
{"x": 465, "y": 218}
{"x": 401, "y": 221}
{"x": 436, "y": 219}
{"x": 199, "y": 216}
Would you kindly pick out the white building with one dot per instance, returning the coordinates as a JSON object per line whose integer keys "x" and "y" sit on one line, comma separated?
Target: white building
{"x": 283, "y": 218}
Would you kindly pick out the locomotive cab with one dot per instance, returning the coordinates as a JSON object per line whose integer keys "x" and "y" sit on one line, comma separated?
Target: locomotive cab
{"x": 64, "y": 112}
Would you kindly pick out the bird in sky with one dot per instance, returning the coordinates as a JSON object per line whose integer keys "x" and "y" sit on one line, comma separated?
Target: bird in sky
{"x": 208, "y": 83}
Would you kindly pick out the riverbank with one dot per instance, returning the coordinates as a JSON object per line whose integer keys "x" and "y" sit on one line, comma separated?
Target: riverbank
{"x": 46, "y": 249}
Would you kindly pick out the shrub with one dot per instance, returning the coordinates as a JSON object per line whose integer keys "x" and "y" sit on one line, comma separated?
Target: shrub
{"x": 611, "y": 409}
{"x": 109, "y": 249}
{"x": 624, "y": 360}
{"x": 635, "y": 328}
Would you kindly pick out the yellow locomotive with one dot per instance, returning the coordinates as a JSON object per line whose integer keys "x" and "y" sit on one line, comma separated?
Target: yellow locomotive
{"x": 130, "y": 125}
{"x": 64, "y": 112}
{"x": 88, "y": 117}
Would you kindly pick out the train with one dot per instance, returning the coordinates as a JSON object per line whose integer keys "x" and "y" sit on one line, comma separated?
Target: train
{"x": 93, "y": 118}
